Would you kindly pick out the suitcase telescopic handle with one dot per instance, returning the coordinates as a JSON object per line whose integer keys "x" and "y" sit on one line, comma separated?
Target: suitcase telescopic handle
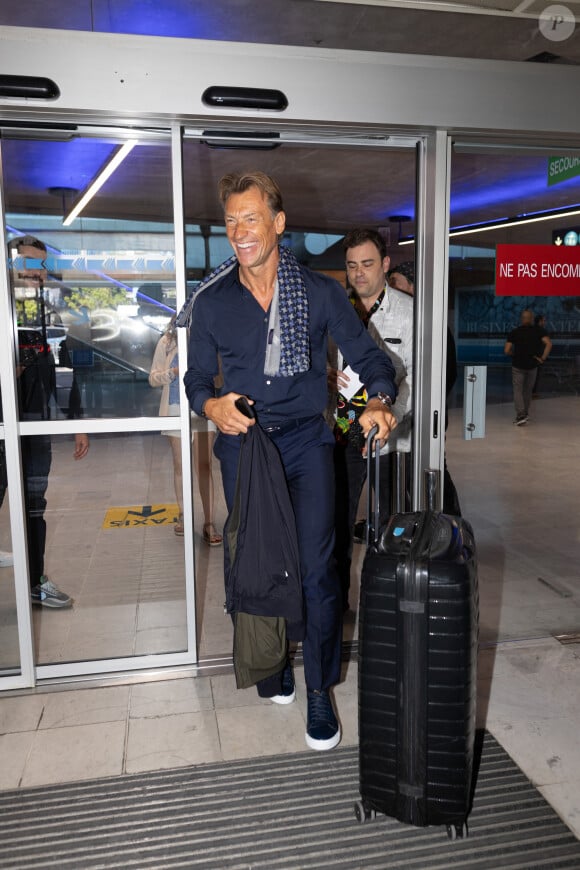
{"x": 372, "y": 529}
{"x": 398, "y": 485}
{"x": 431, "y": 487}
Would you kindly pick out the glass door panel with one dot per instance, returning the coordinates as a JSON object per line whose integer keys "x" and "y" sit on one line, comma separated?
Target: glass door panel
{"x": 518, "y": 484}
{"x": 92, "y": 293}
{"x": 110, "y": 546}
{"x": 108, "y": 276}
{"x": 329, "y": 186}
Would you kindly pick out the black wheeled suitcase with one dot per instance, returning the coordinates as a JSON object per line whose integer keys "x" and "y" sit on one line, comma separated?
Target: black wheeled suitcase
{"x": 418, "y": 635}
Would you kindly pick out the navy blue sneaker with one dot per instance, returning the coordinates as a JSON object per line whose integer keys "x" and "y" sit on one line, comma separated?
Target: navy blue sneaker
{"x": 322, "y": 728}
{"x": 288, "y": 693}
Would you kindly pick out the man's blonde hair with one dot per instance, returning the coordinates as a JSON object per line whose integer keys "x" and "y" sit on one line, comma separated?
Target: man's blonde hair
{"x": 239, "y": 182}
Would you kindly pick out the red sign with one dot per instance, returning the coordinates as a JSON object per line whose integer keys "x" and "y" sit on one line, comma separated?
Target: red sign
{"x": 537, "y": 270}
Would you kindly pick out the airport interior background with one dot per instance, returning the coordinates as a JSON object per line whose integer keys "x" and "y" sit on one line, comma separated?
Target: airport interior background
{"x": 109, "y": 295}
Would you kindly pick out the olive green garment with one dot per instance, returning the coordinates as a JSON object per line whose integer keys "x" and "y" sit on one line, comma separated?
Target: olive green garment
{"x": 260, "y": 647}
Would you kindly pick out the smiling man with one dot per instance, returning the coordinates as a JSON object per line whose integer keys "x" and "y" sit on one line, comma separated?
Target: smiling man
{"x": 267, "y": 320}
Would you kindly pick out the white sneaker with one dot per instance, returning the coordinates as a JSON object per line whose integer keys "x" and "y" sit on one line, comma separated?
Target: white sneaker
{"x": 288, "y": 693}
{"x": 6, "y": 559}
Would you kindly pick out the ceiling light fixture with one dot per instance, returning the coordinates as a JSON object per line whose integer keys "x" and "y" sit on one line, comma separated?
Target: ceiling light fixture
{"x": 507, "y": 222}
{"x": 107, "y": 170}
{"x": 63, "y": 193}
{"x": 399, "y": 219}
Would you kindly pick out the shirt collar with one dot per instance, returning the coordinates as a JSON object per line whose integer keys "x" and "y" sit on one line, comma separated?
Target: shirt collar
{"x": 366, "y": 316}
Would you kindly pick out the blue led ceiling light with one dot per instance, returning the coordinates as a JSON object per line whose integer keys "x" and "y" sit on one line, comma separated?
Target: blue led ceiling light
{"x": 531, "y": 183}
{"x": 500, "y": 223}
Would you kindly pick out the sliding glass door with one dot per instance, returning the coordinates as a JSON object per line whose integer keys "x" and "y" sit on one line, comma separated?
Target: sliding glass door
{"x": 91, "y": 292}
{"x": 118, "y": 560}
{"x": 330, "y": 184}
{"x": 518, "y": 484}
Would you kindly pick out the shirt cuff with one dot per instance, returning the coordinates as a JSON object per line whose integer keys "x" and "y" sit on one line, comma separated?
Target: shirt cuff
{"x": 381, "y": 387}
{"x": 199, "y": 402}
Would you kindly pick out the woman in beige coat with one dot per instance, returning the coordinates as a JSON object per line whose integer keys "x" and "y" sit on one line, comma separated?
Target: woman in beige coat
{"x": 165, "y": 374}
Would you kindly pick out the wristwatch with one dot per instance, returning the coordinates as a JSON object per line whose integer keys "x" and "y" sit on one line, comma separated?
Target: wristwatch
{"x": 384, "y": 398}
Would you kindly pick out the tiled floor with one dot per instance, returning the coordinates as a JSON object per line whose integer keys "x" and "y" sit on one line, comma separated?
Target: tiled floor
{"x": 519, "y": 488}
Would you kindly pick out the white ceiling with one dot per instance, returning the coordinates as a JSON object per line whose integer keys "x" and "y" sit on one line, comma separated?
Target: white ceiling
{"x": 492, "y": 29}
{"x": 488, "y": 29}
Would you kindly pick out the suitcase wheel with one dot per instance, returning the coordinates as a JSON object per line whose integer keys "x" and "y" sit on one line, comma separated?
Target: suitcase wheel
{"x": 363, "y": 812}
{"x": 457, "y": 832}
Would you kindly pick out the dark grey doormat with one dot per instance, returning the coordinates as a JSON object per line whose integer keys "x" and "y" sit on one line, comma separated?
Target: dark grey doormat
{"x": 290, "y": 811}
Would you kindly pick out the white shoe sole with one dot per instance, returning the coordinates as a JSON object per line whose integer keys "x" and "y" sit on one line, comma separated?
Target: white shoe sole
{"x": 283, "y": 699}
{"x": 59, "y": 605}
{"x": 323, "y": 745}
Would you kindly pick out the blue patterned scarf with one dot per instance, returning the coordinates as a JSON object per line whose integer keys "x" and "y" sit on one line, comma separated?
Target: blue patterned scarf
{"x": 288, "y": 347}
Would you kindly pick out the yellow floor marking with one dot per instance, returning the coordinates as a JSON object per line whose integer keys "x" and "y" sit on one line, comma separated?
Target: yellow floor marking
{"x": 141, "y": 515}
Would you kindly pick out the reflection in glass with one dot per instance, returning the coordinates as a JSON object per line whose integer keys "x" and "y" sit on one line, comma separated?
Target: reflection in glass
{"x": 110, "y": 545}
{"x": 165, "y": 374}
{"x": 91, "y": 300}
{"x": 98, "y": 293}
{"x": 524, "y": 556}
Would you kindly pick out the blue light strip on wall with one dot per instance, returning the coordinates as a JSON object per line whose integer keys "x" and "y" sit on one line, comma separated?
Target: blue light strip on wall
{"x": 501, "y": 223}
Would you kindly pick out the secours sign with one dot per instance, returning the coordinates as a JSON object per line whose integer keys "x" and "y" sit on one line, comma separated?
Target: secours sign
{"x": 537, "y": 270}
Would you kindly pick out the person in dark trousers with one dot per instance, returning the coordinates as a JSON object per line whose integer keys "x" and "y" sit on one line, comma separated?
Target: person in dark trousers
{"x": 539, "y": 320}
{"x": 36, "y": 380}
{"x": 267, "y": 319}
{"x": 529, "y": 346}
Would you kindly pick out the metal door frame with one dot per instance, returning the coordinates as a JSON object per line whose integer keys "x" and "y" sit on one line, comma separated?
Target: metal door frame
{"x": 326, "y": 137}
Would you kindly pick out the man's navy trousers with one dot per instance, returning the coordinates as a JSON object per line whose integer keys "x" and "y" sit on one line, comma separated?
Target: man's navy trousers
{"x": 306, "y": 447}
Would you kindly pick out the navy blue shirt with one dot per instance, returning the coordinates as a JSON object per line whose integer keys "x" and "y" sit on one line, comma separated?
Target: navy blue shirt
{"x": 228, "y": 323}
